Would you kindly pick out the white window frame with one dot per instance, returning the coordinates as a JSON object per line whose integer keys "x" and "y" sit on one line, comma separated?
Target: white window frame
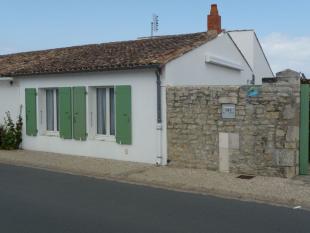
{"x": 54, "y": 132}
{"x": 107, "y": 136}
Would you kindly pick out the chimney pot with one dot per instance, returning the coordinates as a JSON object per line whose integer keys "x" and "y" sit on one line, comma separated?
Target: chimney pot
{"x": 214, "y": 19}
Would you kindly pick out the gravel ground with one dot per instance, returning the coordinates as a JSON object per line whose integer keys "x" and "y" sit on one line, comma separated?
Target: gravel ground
{"x": 288, "y": 192}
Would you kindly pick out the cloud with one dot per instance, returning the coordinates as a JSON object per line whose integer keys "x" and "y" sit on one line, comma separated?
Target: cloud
{"x": 6, "y": 50}
{"x": 285, "y": 52}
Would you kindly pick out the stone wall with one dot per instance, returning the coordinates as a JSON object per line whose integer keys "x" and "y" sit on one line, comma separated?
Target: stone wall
{"x": 262, "y": 139}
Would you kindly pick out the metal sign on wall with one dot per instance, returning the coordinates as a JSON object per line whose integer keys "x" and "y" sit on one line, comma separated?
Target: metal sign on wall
{"x": 253, "y": 92}
{"x": 228, "y": 111}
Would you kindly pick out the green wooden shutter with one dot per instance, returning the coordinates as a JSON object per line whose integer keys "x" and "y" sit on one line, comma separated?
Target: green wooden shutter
{"x": 123, "y": 115}
{"x": 65, "y": 112}
{"x": 304, "y": 130}
{"x": 79, "y": 113}
{"x": 31, "y": 111}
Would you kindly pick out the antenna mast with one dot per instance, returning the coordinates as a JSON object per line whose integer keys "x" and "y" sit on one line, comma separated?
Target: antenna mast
{"x": 154, "y": 25}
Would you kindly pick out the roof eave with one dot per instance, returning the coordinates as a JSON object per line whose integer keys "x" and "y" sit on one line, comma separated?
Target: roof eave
{"x": 140, "y": 67}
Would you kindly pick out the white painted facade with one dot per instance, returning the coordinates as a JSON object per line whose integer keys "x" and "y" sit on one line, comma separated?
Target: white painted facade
{"x": 248, "y": 43}
{"x": 144, "y": 122}
{"x": 9, "y": 99}
{"x": 192, "y": 68}
{"x": 149, "y": 139}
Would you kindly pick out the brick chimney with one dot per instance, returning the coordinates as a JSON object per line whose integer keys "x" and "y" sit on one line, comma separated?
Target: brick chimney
{"x": 214, "y": 19}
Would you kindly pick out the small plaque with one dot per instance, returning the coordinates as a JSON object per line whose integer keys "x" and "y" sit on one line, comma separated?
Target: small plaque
{"x": 228, "y": 111}
{"x": 253, "y": 92}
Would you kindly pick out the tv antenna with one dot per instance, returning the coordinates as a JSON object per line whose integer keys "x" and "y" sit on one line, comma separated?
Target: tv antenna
{"x": 154, "y": 25}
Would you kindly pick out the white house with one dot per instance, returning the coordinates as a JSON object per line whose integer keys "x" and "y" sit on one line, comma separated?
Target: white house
{"x": 108, "y": 100}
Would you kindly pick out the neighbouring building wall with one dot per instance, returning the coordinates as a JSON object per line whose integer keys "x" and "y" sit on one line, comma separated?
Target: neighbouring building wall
{"x": 9, "y": 100}
{"x": 262, "y": 139}
{"x": 144, "y": 147}
{"x": 249, "y": 45}
{"x": 262, "y": 68}
{"x": 245, "y": 42}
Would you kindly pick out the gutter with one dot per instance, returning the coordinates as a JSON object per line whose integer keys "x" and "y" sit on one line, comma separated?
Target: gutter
{"x": 85, "y": 70}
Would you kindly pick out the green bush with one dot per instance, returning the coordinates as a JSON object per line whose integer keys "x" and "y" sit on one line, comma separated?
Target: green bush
{"x": 10, "y": 133}
{"x": 1, "y": 134}
{"x": 18, "y": 131}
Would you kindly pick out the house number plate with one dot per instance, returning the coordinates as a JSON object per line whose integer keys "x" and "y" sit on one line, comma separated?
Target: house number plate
{"x": 228, "y": 111}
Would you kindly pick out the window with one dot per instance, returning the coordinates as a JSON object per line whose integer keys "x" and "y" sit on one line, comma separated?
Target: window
{"x": 81, "y": 113}
{"x": 52, "y": 111}
{"x": 105, "y": 111}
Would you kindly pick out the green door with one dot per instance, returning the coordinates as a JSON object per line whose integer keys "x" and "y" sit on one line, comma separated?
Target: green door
{"x": 65, "y": 112}
{"x": 123, "y": 115}
{"x": 304, "y": 130}
{"x": 79, "y": 113}
{"x": 31, "y": 111}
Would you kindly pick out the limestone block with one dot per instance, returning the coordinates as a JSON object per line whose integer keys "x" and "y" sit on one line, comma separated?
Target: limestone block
{"x": 228, "y": 144}
{"x": 233, "y": 139}
{"x": 272, "y": 115}
{"x": 291, "y": 145}
{"x": 292, "y": 134}
{"x": 289, "y": 112}
{"x": 284, "y": 157}
{"x": 250, "y": 109}
{"x": 223, "y": 140}
{"x": 228, "y": 100}
{"x": 280, "y": 133}
{"x": 270, "y": 108}
{"x": 224, "y": 160}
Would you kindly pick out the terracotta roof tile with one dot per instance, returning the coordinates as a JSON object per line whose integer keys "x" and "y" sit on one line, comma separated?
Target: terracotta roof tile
{"x": 142, "y": 53}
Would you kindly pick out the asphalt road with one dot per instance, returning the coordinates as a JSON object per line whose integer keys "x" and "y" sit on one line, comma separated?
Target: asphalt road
{"x": 36, "y": 201}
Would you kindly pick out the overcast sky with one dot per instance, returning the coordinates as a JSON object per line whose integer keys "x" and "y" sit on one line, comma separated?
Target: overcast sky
{"x": 282, "y": 26}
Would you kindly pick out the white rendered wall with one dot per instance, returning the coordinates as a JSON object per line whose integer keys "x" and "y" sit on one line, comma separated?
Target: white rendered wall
{"x": 191, "y": 68}
{"x": 249, "y": 45}
{"x": 245, "y": 42}
{"x": 9, "y": 100}
{"x": 144, "y": 121}
{"x": 261, "y": 66}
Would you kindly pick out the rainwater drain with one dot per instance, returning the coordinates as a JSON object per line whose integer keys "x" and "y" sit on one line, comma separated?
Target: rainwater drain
{"x": 245, "y": 177}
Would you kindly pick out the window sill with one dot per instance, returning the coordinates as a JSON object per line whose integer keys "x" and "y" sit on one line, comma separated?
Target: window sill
{"x": 51, "y": 134}
{"x": 105, "y": 138}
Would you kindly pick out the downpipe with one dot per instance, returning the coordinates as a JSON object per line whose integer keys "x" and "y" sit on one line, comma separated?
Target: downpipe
{"x": 159, "y": 127}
